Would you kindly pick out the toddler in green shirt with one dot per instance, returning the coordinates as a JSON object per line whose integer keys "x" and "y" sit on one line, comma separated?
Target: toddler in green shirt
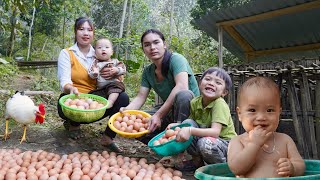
{"x": 211, "y": 122}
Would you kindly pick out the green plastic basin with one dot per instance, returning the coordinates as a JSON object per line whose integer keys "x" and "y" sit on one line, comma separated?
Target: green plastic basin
{"x": 222, "y": 172}
{"x": 171, "y": 147}
{"x": 85, "y": 115}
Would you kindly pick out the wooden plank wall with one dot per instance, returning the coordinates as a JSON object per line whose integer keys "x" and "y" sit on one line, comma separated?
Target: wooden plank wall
{"x": 300, "y": 97}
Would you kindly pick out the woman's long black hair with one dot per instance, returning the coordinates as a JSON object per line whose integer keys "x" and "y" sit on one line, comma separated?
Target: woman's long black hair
{"x": 167, "y": 54}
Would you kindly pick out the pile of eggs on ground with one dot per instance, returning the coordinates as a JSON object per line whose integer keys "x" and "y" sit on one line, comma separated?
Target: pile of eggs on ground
{"x": 131, "y": 123}
{"x": 42, "y": 165}
{"x": 169, "y": 135}
{"x": 83, "y": 103}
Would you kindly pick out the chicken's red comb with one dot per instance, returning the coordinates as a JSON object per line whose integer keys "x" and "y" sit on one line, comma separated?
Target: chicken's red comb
{"x": 42, "y": 109}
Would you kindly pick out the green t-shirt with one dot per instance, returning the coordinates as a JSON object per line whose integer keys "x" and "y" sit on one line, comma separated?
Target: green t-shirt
{"x": 217, "y": 111}
{"x": 178, "y": 64}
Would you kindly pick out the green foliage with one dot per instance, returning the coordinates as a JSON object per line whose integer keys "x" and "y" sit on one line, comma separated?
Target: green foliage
{"x": 203, "y": 6}
{"x": 46, "y": 83}
{"x": 43, "y": 48}
{"x": 7, "y": 71}
{"x": 205, "y": 46}
{"x": 53, "y": 30}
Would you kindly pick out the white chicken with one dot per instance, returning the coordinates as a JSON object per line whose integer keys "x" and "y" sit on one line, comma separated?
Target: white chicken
{"x": 22, "y": 109}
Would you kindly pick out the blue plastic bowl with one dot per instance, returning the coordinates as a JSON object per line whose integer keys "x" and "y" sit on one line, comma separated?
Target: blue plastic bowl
{"x": 222, "y": 172}
{"x": 171, "y": 147}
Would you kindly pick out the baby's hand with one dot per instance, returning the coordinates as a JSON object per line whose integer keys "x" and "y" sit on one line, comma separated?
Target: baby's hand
{"x": 285, "y": 167}
{"x": 259, "y": 136}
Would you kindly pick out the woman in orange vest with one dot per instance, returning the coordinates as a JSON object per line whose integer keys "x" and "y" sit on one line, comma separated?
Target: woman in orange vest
{"x": 73, "y": 65}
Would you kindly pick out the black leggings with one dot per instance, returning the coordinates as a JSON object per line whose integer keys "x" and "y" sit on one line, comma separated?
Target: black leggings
{"x": 122, "y": 101}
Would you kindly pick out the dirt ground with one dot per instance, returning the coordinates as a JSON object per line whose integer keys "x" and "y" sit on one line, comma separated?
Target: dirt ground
{"x": 52, "y": 137}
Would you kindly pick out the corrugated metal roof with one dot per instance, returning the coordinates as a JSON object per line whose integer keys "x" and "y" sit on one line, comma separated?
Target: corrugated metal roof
{"x": 293, "y": 29}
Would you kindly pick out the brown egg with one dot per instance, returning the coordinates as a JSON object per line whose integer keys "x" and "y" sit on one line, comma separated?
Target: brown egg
{"x": 31, "y": 170}
{"x": 21, "y": 175}
{"x": 85, "y": 170}
{"x": 17, "y": 150}
{"x": 136, "y": 126}
{"x": 53, "y": 178}
{"x": 177, "y": 173}
{"x": 124, "y": 177}
{"x": 117, "y": 125}
{"x": 142, "y": 129}
{"x": 89, "y": 100}
{"x": 151, "y": 167}
{"x": 167, "y": 172}
{"x": 139, "y": 121}
{"x": 70, "y": 156}
{"x": 116, "y": 177}
{"x": 145, "y": 120}
{"x": 133, "y": 117}
{"x": 112, "y": 162}
{"x": 63, "y": 176}
{"x": 124, "y": 124}
{"x": 25, "y": 164}
{"x": 164, "y": 140}
{"x": 100, "y": 106}
{"x": 139, "y": 116}
{"x": 73, "y": 102}
{"x": 76, "y": 165}
{"x": 126, "y": 115}
{"x": 85, "y": 177}
{"x": 119, "y": 118}
{"x": 44, "y": 177}
{"x": 130, "y": 122}
{"x": 93, "y": 105}
{"x": 23, "y": 169}
{"x": 97, "y": 177}
{"x": 169, "y": 133}
{"x": 129, "y": 128}
{"x": 38, "y": 173}
{"x": 125, "y": 119}
{"x": 75, "y": 177}
{"x": 52, "y": 172}
{"x": 92, "y": 174}
{"x": 32, "y": 177}
{"x": 74, "y": 106}
{"x": 158, "y": 165}
{"x": 50, "y": 156}
{"x": 39, "y": 164}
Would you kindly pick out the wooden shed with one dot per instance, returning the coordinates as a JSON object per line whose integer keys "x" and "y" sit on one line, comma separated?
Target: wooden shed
{"x": 279, "y": 39}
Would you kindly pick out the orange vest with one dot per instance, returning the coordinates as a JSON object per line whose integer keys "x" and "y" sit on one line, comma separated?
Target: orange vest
{"x": 79, "y": 75}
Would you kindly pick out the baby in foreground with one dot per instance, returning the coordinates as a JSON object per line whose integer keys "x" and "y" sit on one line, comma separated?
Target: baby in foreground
{"x": 261, "y": 152}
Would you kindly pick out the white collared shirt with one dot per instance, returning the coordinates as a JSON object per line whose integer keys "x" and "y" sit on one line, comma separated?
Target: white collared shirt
{"x": 64, "y": 63}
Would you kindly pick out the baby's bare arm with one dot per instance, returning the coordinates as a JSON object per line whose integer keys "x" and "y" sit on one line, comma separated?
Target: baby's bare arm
{"x": 296, "y": 159}
{"x": 241, "y": 157}
{"x": 243, "y": 150}
{"x": 293, "y": 165}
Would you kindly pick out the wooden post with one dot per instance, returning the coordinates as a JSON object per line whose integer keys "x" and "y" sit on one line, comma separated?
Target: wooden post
{"x": 294, "y": 106}
{"x": 317, "y": 114}
{"x": 242, "y": 79}
{"x": 220, "y": 50}
{"x": 308, "y": 120}
{"x": 232, "y": 103}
